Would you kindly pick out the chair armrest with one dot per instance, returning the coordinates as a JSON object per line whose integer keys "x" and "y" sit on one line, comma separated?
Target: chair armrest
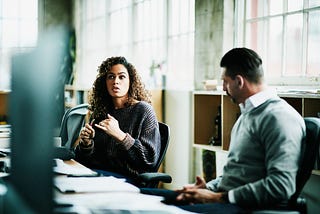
{"x": 148, "y": 177}
{"x": 63, "y": 153}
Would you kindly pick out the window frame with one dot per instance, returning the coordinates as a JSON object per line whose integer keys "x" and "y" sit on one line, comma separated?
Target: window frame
{"x": 240, "y": 36}
{"x": 155, "y": 48}
{"x": 6, "y": 52}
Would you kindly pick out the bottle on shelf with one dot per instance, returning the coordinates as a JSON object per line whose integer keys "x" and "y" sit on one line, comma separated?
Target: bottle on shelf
{"x": 216, "y": 139}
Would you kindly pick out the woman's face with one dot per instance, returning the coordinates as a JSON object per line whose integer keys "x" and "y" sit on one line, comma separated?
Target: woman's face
{"x": 118, "y": 81}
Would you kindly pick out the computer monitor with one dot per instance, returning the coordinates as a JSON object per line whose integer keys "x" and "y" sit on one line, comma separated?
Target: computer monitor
{"x": 32, "y": 117}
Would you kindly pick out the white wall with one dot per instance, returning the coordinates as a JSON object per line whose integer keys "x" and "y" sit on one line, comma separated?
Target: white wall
{"x": 178, "y": 113}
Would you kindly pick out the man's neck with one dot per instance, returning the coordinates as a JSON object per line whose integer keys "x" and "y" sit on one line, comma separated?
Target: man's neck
{"x": 252, "y": 89}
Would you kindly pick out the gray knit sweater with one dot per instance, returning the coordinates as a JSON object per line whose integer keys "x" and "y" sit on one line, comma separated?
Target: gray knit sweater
{"x": 264, "y": 155}
{"x": 136, "y": 154}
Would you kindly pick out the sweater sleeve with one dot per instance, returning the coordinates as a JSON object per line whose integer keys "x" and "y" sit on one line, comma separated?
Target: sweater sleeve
{"x": 144, "y": 148}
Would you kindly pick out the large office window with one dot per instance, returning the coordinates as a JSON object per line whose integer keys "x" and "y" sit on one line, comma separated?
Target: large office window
{"x": 92, "y": 37}
{"x": 286, "y": 34}
{"x": 149, "y": 39}
{"x": 155, "y": 35}
{"x": 181, "y": 44}
{"x": 18, "y": 33}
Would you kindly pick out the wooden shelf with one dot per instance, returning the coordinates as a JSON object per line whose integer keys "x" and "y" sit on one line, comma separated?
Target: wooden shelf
{"x": 74, "y": 96}
{"x": 4, "y": 100}
{"x": 210, "y": 148}
{"x": 205, "y": 104}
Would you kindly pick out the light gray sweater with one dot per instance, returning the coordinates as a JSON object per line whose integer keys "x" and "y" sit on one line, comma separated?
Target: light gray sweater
{"x": 264, "y": 155}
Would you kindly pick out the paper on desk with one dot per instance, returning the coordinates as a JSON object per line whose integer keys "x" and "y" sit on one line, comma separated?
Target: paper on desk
{"x": 62, "y": 168}
{"x": 119, "y": 202}
{"x": 4, "y": 142}
{"x": 93, "y": 184}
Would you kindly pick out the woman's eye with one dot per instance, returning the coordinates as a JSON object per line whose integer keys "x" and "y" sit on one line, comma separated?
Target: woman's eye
{"x": 122, "y": 77}
{"x": 110, "y": 77}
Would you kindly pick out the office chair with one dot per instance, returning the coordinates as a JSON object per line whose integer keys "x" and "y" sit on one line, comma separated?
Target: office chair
{"x": 152, "y": 179}
{"x": 310, "y": 150}
{"x": 72, "y": 122}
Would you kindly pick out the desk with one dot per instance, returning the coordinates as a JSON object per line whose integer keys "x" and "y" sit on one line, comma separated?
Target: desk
{"x": 109, "y": 201}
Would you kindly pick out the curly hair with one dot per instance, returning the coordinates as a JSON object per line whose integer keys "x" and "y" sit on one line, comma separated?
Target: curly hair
{"x": 100, "y": 100}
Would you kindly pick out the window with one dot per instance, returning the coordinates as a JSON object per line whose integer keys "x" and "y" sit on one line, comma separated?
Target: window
{"x": 155, "y": 35}
{"x": 181, "y": 44}
{"x": 286, "y": 35}
{"x": 18, "y": 33}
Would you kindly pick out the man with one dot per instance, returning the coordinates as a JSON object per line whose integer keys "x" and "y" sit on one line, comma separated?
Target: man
{"x": 265, "y": 144}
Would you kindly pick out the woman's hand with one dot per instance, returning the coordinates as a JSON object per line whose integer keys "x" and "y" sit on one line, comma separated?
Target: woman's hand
{"x": 111, "y": 127}
{"x": 86, "y": 134}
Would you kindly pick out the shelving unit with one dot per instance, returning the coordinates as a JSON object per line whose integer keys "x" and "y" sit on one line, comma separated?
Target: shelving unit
{"x": 4, "y": 102}
{"x": 74, "y": 96}
{"x": 205, "y": 104}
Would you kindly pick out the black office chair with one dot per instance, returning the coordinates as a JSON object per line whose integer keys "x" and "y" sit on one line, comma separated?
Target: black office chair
{"x": 72, "y": 122}
{"x": 310, "y": 150}
{"x": 152, "y": 179}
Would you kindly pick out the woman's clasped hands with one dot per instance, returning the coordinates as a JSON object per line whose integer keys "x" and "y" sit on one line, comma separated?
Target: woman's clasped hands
{"x": 109, "y": 125}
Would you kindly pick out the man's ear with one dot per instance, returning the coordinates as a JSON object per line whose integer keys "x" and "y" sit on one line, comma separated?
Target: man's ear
{"x": 240, "y": 81}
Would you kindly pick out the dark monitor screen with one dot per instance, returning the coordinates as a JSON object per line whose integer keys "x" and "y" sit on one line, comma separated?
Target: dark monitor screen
{"x": 32, "y": 107}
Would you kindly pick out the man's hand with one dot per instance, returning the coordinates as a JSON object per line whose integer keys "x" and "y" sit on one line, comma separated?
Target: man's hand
{"x": 194, "y": 196}
{"x": 198, "y": 193}
{"x": 200, "y": 184}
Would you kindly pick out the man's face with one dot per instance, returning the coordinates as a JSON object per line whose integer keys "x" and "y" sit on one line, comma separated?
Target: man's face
{"x": 230, "y": 86}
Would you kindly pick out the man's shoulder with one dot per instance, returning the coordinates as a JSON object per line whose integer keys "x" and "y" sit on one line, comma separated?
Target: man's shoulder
{"x": 277, "y": 105}
{"x": 278, "y": 111}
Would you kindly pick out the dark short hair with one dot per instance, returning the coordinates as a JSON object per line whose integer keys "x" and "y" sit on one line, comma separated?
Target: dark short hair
{"x": 244, "y": 62}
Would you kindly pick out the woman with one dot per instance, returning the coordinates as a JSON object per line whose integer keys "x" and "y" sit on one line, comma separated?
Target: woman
{"x": 122, "y": 138}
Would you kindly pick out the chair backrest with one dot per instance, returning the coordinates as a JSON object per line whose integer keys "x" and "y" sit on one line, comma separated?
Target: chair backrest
{"x": 72, "y": 121}
{"x": 165, "y": 138}
{"x": 310, "y": 152}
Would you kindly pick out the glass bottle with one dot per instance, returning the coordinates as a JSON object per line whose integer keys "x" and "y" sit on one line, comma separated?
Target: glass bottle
{"x": 217, "y": 126}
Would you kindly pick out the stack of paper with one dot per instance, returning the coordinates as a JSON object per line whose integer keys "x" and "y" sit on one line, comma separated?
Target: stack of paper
{"x": 5, "y": 132}
{"x": 62, "y": 168}
{"x": 93, "y": 184}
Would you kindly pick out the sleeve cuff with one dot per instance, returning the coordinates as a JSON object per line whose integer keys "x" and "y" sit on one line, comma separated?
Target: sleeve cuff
{"x": 128, "y": 141}
{"x": 231, "y": 197}
{"x": 83, "y": 147}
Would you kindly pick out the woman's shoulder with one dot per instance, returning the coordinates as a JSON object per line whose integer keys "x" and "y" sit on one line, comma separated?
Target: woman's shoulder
{"x": 145, "y": 103}
{"x": 143, "y": 106}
